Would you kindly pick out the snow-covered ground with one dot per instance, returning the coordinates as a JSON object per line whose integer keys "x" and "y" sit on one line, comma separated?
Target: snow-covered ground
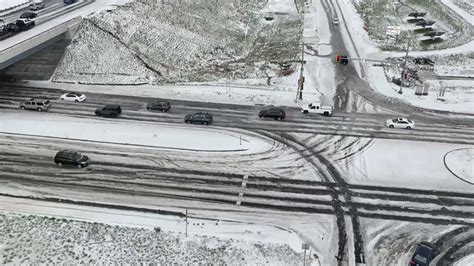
{"x": 8, "y": 4}
{"x": 374, "y": 162}
{"x": 157, "y": 135}
{"x": 59, "y": 233}
{"x": 420, "y": 165}
{"x": 461, "y": 163}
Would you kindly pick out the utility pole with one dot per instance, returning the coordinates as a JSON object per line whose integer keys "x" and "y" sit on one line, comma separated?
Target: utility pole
{"x": 299, "y": 91}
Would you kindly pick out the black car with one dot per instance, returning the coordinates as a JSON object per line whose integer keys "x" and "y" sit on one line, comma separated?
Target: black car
{"x": 11, "y": 27}
{"x": 423, "y": 254}
{"x": 157, "y": 105}
{"x": 110, "y": 110}
{"x": 29, "y": 15}
{"x": 71, "y": 158}
{"x": 198, "y": 118}
{"x": 272, "y": 112}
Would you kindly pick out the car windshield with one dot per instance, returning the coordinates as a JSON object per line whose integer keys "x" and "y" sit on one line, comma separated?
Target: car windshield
{"x": 395, "y": 120}
{"x": 46, "y": 102}
{"x": 420, "y": 258}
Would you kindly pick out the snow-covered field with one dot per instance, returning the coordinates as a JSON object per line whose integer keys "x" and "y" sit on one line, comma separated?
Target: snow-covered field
{"x": 154, "y": 134}
{"x": 31, "y": 239}
{"x": 7, "y": 4}
{"x": 197, "y": 41}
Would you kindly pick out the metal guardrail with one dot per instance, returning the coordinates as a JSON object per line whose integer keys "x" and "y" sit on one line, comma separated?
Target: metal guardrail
{"x": 8, "y": 54}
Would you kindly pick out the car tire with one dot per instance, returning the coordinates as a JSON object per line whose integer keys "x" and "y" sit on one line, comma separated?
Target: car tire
{"x": 39, "y": 110}
{"x": 261, "y": 116}
{"x": 205, "y": 123}
{"x": 22, "y": 108}
{"x": 79, "y": 166}
{"x": 60, "y": 164}
{"x": 163, "y": 110}
{"x": 187, "y": 121}
{"x": 278, "y": 118}
{"x": 305, "y": 111}
{"x": 113, "y": 115}
{"x": 149, "y": 109}
{"x": 76, "y": 100}
{"x": 97, "y": 114}
{"x": 408, "y": 127}
{"x": 326, "y": 113}
{"x": 391, "y": 126}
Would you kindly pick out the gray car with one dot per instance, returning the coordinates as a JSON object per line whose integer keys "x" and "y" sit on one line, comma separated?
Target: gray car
{"x": 35, "y": 104}
{"x": 157, "y": 105}
{"x": 198, "y": 118}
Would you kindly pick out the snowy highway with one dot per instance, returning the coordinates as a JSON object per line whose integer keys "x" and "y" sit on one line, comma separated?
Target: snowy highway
{"x": 345, "y": 188}
{"x": 146, "y": 169}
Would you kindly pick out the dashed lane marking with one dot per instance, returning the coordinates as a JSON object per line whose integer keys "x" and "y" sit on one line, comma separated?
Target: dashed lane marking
{"x": 241, "y": 193}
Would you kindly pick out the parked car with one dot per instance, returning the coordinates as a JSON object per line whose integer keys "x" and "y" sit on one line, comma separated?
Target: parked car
{"x": 37, "y": 5}
{"x": 198, "y": 118}
{"x": 317, "y": 108}
{"x": 24, "y": 23}
{"x": 400, "y": 122}
{"x": 71, "y": 158}
{"x": 157, "y": 105}
{"x": 35, "y": 104}
{"x": 335, "y": 21}
{"x": 29, "y": 15}
{"x": 68, "y": 2}
{"x": 110, "y": 110}
{"x": 272, "y": 112}
{"x": 423, "y": 254}
{"x": 73, "y": 97}
{"x": 11, "y": 27}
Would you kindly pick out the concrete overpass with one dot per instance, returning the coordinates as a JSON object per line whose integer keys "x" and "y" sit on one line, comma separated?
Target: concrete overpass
{"x": 29, "y": 42}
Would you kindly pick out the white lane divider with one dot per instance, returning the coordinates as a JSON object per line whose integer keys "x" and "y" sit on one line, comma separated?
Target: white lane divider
{"x": 241, "y": 193}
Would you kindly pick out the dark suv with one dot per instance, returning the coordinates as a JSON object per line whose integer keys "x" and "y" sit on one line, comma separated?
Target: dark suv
{"x": 198, "y": 118}
{"x": 71, "y": 158}
{"x": 110, "y": 110}
{"x": 25, "y": 23}
{"x": 272, "y": 112}
{"x": 423, "y": 254}
{"x": 159, "y": 106}
{"x": 35, "y": 104}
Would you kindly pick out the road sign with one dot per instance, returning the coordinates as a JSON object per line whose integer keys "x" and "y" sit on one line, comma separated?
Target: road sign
{"x": 392, "y": 30}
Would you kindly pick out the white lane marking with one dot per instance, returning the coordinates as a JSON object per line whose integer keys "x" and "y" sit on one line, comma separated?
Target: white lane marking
{"x": 241, "y": 193}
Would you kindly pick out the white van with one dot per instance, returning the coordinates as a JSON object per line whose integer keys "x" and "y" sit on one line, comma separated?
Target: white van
{"x": 37, "y": 4}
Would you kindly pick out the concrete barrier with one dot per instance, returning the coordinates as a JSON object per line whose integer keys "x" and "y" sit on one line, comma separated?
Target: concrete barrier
{"x": 20, "y": 50}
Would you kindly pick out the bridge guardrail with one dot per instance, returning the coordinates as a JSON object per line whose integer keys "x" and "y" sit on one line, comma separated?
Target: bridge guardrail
{"x": 21, "y": 47}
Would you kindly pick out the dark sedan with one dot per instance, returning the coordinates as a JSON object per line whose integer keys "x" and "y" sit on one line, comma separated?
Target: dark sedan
{"x": 29, "y": 15}
{"x": 423, "y": 254}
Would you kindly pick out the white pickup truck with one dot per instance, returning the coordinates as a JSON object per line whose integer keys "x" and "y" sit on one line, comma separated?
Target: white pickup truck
{"x": 317, "y": 108}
